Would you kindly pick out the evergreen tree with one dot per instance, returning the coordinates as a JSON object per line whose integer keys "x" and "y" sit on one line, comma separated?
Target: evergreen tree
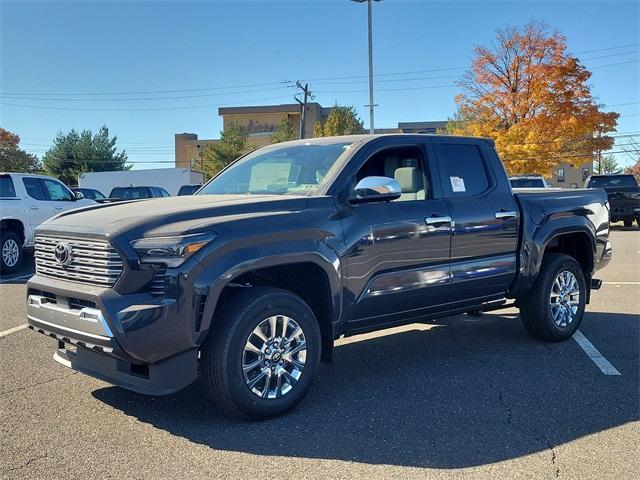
{"x": 234, "y": 142}
{"x": 79, "y": 152}
{"x": 341, "y": 121}
{"x": 285, "y": 131}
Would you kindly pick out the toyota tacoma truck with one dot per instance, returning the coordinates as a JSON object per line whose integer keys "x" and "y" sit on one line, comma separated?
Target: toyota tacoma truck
{"x": 623, "y": 193}
{"x": 294, "y": 245}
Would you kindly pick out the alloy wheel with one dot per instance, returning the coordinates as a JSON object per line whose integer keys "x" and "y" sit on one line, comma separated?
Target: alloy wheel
{"x": 564, "y": 298}
{"x": 274, "y": 357}
{"x": 10, "y": 252}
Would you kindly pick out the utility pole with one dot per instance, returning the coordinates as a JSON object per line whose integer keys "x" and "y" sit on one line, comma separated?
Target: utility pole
{"x": 371, "y": 104}
{"x": 303, "y": 105}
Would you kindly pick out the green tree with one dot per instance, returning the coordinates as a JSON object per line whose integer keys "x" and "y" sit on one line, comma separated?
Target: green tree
{"x": 341, "y": 121}
{"x": 12, "y": 157}
{"x": 285, "y": 131}
{"x": 78, "y": 152}
{"x": 606, "y": 165}
{"x": 234, "y": 142}
{"x": 634, "y": 170}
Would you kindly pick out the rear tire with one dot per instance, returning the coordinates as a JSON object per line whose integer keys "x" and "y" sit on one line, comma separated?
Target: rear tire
{"x": 10, "y": 251}
{"x": 554, "y": 307}
{"x": 261, "y": 354}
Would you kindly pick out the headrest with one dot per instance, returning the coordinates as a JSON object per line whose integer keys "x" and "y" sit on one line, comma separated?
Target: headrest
{"x": 409, "y": 178}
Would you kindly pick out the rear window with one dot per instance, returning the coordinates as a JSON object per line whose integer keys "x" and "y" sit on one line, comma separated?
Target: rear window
{"x": 463, "y": 169}
{"x": 527, "y": 183}
{"x": 7, "y": 188}
{"x": 34, "y": 189}
{"x": 188, "y": 189}
{"x": 612, "y": 182}
{"x": 130, "y": 193}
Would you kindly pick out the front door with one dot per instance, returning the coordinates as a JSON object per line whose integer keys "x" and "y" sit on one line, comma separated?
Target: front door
{"x": 397, "y": 260}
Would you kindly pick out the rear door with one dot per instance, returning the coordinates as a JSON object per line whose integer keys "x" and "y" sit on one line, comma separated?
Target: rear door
{"x": 485, "y": 218}
{"x": 39, "y": 207}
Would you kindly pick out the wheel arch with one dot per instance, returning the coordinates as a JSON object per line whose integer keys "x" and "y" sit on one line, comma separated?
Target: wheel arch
{"x": 313, "y": 276}
{"x": 14, "y": 225}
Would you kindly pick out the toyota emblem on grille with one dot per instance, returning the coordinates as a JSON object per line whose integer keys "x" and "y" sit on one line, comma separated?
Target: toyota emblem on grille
{"x": 62, "y": 253}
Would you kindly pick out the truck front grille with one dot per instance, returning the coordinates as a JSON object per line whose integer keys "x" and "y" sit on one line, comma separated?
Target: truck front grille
{"x": 93, "y": 262}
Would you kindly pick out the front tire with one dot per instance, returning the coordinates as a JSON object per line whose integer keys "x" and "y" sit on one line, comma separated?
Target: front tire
{"x": 554, "y": 307}
{"x": 10, "y": 252}
{"x": 262, "y": 353}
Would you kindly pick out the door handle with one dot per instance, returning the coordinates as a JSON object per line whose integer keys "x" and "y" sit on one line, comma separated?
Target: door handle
{"x": 432, "y": 221}
{"x": 503, "y": 214}
{"x": 58, "y": 208}
{"x": 33, "y": 207}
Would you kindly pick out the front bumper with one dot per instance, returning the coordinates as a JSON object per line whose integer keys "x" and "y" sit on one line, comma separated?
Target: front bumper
{"x": 136, "y": 341}
{"x": 162, "y": 378}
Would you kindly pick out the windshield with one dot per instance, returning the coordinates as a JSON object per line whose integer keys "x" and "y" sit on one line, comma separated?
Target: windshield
{"x": 290, "y": 170}
{"x": 613, "y": 181}
{"x": 527, "y": 183}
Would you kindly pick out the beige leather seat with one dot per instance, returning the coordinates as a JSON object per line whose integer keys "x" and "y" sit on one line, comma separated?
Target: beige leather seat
{"x": 410, "y": 180}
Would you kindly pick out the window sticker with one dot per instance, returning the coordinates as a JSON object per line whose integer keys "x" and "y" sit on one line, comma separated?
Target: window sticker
{"x": 457, "y": 184}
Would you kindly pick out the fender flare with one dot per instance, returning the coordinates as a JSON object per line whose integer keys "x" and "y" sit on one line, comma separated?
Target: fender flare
{"x": 534, "y": 249}
{"x": 212, "y": 281}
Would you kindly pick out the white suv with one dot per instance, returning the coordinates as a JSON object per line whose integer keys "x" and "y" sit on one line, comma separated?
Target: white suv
{"x": 26, "y": 201}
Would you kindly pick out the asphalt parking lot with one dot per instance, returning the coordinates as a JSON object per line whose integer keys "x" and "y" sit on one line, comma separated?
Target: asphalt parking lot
{"x": 459, "y": 397}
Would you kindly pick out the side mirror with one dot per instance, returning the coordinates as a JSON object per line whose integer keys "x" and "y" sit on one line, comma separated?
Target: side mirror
{"x": 376, "y": 189}
{"x": 78, "y": 195}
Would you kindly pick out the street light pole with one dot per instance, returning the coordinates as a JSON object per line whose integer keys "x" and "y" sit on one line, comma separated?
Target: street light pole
{"x": 370, "y": 30}
{"x": 371, "y": 129}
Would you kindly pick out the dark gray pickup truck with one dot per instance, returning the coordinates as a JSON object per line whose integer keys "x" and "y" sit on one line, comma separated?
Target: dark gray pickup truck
{"x": 297, "y": 244}
{"x": 623, "y": 193}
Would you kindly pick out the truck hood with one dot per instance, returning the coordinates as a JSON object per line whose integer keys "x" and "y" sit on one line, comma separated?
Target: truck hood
{"x": 171, "y": 215}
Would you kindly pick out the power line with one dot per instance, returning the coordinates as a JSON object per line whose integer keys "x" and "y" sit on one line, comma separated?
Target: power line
{"x": 319, "y": 79}
{"x": 608, "y": 48}
{"x": 181, "y": 97}
{"x": 189, "y": 107}
{"x": 558, "y": 157}
{"x": 146, "y": 92}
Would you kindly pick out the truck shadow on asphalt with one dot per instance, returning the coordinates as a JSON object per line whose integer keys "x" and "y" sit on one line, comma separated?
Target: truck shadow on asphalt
{"x": 459, "y": 393}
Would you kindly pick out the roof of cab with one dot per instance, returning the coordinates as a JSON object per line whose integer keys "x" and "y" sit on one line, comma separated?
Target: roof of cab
{"x": 363, "y": 138}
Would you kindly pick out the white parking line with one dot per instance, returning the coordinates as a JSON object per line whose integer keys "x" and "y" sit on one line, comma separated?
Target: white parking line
{"x": 603, "y": 364}
{"x": 621, "y": 283}
{"x": 16, "y": 278}
{"x": 13, "y": 330}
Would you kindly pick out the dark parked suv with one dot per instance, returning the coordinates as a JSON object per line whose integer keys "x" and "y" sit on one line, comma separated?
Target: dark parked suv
{"x": 623, "y": 193}
{"x": 297, "y": 244}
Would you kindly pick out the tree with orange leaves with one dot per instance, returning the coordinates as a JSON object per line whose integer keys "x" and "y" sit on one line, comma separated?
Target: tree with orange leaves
{"x": 532, "y": 98}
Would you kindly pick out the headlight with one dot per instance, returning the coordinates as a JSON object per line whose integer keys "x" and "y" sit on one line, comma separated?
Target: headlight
{"x": 172, "y": 251}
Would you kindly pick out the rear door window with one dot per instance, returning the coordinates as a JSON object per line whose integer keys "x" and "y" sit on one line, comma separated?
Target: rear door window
{"x": 34, "y": 188}
{"x": 463, "y": 170}
{"x": 7, "y": 189}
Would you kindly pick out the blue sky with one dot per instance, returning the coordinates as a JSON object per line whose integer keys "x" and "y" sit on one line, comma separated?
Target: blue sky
{"x": 212, "y": 54}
